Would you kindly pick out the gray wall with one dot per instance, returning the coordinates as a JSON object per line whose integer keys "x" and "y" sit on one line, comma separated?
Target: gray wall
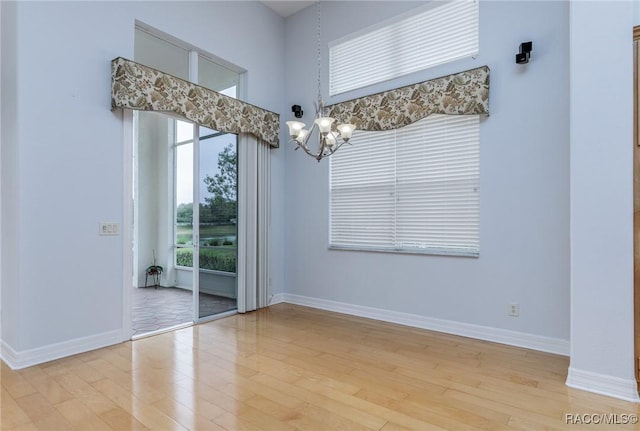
{"x": 602, "y": 196}
{"x": 524, "y": 236}
{"x": 62, "y": 150}
{"x": 10, "y": 186}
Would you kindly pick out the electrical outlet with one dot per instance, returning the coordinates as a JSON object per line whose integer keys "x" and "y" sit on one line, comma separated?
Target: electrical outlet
{"x": 514, "y": 309}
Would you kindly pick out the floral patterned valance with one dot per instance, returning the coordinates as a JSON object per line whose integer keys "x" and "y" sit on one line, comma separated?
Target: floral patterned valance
{"x": 464, "y": 93}
{"x": 134, "y": 86}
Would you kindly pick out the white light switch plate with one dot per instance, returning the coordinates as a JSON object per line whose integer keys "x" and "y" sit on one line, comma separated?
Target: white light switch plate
{"x": 109, "y": 228}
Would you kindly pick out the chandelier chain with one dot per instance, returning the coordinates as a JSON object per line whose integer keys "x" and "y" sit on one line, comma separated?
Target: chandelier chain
{"x": 319, "y": 57}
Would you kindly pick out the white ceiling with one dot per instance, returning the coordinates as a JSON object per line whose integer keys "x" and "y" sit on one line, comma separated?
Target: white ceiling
{"x": 287, "y": 7}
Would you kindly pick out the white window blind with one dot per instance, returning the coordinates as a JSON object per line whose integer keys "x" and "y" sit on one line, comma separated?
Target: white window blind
{"x": 414, "y": 189}
{"x": 438, "y": 34}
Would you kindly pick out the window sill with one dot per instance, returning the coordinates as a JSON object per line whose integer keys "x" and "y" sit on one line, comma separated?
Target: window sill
{"x": 425, "y": 251}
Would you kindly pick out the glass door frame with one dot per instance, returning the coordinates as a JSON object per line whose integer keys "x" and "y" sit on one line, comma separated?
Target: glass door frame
{"x": 196, "y": 269}
{"x": 194, "y": 59}
{"x": 195, "y": 276}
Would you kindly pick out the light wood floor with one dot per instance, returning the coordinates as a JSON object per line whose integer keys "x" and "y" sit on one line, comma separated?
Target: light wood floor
{"x": 287, "y": 368}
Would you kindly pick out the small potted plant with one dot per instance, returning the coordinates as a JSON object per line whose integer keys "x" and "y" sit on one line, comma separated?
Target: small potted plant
{"x": 154, "y": 271}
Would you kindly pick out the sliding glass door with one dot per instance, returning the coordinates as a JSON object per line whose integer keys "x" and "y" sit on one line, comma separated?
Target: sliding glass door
{"x": 218, "y": 223}
{"x": 206, "y": 240}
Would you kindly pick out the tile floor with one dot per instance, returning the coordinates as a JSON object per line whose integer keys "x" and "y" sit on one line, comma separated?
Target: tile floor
{"x": 160, "y": 308}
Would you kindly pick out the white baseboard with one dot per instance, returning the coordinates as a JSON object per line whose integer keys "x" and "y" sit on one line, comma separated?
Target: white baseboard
{"x": 276, "y": 298}
{"x": 17, "y": 360}
{"x": 503, "y": 336}
{"x": 625, "y": 389}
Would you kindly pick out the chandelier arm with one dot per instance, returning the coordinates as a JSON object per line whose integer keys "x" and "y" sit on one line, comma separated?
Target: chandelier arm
{"x": 304, "y": 142}
{"x": 336, "y": 148}
{"x": 323, "y": 146}
{"x": 309, "y": 152}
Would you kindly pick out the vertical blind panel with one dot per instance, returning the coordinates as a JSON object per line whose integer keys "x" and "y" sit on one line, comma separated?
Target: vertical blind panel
{"x": 438, "y": 35}
{"x": 412, "y": 189}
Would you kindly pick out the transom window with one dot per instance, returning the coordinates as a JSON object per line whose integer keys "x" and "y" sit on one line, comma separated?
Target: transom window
{"x": 434, "y": 34}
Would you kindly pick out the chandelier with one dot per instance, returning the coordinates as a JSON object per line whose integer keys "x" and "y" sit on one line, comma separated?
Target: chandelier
{"x": 331, "y": 136}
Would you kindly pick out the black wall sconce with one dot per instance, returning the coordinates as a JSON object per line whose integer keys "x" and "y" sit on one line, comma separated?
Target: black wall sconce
{"x": 525, "y": 53}
{"x": 297, "y": 111}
